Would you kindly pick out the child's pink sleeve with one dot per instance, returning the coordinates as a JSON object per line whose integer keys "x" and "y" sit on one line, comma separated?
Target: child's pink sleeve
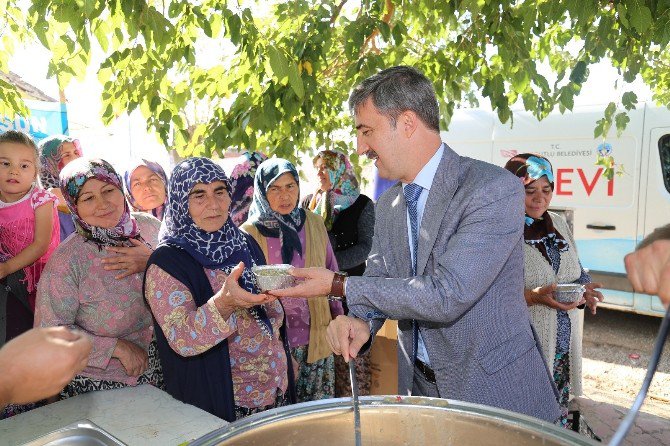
{"x": 41, "y": 196}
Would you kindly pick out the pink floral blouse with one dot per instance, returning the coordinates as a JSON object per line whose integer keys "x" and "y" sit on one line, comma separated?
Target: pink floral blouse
{"x": 76, "y": 291}
{"x": 258, "y": 363}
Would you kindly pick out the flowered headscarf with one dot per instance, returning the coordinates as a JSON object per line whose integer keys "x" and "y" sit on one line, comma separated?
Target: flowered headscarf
{"x": 222, "y": 249}
{"x": 271, "y": 223}
{"x": 242, "y": 182}
{"x": 538, "y": 232}
{"x": 50, "y": 161}
{"x": 155, "y": 168}
{"x": 343, "y": 191}
{"x": 72, "y": 179}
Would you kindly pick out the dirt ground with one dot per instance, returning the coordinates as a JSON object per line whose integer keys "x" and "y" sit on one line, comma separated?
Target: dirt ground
{"x": 617, "y": 347}
{"x": 612, "y": 339}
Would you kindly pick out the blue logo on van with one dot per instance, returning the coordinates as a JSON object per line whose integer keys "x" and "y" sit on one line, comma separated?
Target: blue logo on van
{"x": 605, "y": 149}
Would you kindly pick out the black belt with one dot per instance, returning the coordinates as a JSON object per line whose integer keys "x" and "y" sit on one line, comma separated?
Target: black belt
{"x": 425, "y": 370}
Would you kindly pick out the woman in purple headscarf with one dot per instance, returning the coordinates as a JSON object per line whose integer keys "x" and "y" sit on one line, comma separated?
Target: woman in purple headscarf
{"x": 146, "y": 187}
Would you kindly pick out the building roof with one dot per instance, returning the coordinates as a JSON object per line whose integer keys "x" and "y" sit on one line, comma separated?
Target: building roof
{"x": 27, "y": 90}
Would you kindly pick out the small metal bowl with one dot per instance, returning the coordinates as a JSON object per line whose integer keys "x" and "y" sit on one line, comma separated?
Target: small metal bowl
{"x": 273, "y": 277}
{"x": 568, "y": 293}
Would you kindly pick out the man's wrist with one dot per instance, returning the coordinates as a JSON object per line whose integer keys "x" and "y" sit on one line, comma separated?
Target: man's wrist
{"x": 337, "y": 286}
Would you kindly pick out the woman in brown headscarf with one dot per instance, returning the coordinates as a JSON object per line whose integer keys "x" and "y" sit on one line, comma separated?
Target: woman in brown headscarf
{"x": 551, "y": 258}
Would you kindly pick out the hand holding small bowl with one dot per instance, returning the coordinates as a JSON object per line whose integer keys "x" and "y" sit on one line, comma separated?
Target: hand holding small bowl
{"x": 569, "y": 293}
{"x": 273, "y": 277}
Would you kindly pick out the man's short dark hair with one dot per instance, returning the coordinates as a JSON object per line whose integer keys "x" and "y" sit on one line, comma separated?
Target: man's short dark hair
{"x": 397, "y": 90}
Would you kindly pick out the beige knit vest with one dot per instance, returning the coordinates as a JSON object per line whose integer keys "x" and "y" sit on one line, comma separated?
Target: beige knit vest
{"x": 538, "y": 272}
{"x": 316, "y": 239}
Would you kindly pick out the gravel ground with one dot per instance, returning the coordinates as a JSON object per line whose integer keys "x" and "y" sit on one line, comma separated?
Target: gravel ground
{"x": 612, "y": 370}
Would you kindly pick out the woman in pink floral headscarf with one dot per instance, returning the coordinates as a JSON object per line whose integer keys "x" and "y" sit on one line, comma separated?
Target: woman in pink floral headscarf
{"x": 350, "y": 220}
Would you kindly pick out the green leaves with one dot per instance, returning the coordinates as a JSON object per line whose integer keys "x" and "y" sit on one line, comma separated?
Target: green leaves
{"x": 579, "y": 73}
{"x": 639, "y": 15}
{"x": 278, "y": 62}
{"x": 275, "y": 76}
{"x": 629, "y": 100}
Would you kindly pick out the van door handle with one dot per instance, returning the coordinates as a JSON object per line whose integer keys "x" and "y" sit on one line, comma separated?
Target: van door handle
{"x": 601, "y": 227}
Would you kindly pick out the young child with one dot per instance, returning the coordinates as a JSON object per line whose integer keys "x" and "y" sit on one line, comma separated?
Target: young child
{"x": 56, "y": 152}
{"x": 29, "y": 232}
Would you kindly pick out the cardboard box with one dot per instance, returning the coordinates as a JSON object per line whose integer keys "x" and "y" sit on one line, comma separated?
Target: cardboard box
{"x": 384, "y": 360}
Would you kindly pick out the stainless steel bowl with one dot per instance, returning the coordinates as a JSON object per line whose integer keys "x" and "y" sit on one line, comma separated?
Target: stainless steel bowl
{"x": 273, "y": 277}
{"x": 391, "y": 420}
{"x": 80, "y": 433}
{"x": 569, "y": 292}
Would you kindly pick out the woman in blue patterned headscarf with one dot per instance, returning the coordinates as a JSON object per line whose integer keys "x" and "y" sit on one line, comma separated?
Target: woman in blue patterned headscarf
{"x": 222, "y": 345}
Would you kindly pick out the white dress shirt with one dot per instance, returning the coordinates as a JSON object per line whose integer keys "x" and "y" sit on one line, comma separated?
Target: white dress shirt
{"x": 424, "y": 179}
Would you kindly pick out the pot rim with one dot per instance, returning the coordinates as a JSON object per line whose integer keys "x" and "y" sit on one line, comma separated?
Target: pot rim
{"x": 540, "y": 427}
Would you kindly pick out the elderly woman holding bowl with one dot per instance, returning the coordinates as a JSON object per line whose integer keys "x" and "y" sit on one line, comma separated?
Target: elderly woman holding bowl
{"x": 550, "y": 259}
{"x": 222, "y": 344}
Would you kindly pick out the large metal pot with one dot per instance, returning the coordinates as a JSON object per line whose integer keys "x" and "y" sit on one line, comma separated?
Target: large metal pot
{"x": 390, "y": 421}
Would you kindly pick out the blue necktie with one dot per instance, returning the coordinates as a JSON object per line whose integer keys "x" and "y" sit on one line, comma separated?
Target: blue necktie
{"x": 412, "y": 193}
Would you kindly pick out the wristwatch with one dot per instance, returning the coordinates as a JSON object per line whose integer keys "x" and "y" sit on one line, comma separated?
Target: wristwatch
{"x": 337, "y": 287}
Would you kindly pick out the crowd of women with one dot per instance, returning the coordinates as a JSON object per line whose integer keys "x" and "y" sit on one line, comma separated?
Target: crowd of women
{"x": 157, "y": 271}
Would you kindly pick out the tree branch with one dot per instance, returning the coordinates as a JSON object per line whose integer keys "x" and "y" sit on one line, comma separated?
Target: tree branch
{"x": 370, "y": 41}
{"x": 337, "y": 12}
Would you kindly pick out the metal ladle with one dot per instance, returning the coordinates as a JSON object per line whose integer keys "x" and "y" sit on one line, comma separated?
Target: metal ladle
{"x": 354, "y": 398}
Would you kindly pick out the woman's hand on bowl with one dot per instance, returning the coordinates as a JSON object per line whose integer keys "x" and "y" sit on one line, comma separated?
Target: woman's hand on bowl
{"x": 593, "y": 296}
{"x": 131, "y": 259}
{"x": 133, "y": 357}
{"x": 232, "y": 296}
{"x": 545, "y": 296}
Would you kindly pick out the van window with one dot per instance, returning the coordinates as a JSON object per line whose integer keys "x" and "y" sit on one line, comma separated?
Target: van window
{"x": 664, "y": 152}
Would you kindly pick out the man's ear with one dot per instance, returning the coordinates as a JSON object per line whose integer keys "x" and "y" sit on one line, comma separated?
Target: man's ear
{"x": 409, "y": 121}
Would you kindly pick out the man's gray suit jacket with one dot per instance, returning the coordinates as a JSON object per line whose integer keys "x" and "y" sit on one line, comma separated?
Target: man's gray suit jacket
{"x": 467, "y": 296}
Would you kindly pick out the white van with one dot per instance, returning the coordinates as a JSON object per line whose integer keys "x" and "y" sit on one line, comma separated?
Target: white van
{"x": 609, "y": 217}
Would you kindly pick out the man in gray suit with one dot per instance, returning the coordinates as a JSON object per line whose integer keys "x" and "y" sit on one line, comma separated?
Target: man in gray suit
{"x": 446, "y": 261}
